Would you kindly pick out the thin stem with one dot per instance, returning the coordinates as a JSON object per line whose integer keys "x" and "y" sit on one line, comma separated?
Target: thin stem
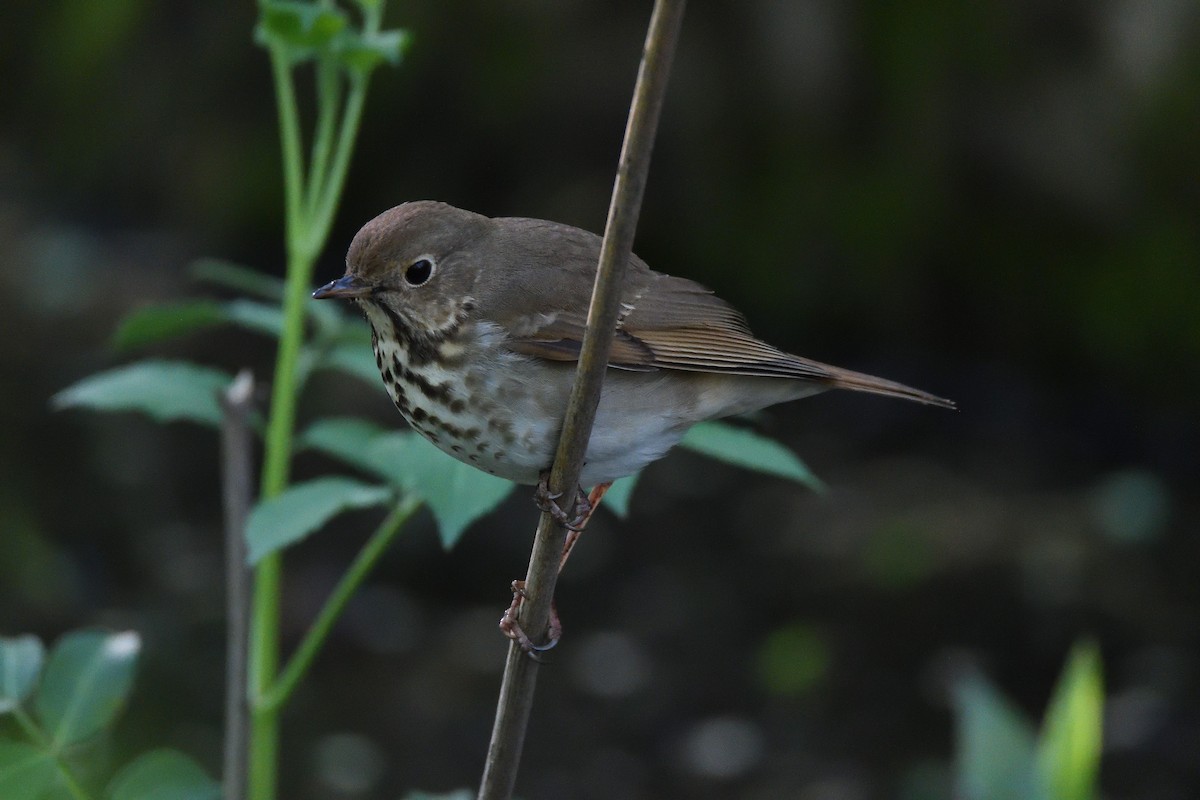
{"x": 335, "y": 181}
{"x": 264, "y": 628}
{"x": 329, "y": 97}
{"x": 520, "y": 672}
{"x": 335, "y": 604}
{"x": 290, "y": 143}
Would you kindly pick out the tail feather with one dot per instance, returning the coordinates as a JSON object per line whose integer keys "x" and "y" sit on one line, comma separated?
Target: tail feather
{"x": 860, "y": 382}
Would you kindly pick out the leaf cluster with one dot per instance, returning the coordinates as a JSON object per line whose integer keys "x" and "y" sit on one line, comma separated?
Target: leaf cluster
{"x": 62, "y": 702}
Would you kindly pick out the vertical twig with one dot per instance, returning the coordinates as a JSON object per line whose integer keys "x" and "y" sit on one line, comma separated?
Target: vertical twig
{"x": 237, "y": 457}
{"x": 520, "y": 671}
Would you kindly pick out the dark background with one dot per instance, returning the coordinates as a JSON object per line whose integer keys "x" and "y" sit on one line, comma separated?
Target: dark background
{"x": 993, "y": 201}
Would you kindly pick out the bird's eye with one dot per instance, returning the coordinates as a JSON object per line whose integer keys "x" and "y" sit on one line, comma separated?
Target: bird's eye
{"x": 418, "y": 272}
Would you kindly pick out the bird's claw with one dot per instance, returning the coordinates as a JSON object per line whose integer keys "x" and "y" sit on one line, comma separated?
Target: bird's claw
{"x": 511, "y": 628}
{"x": 547, "y": 502}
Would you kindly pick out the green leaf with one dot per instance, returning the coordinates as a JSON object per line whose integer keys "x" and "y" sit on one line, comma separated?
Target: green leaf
{"x": 995, "y": 752}
{"x": 238, "y": 278}
{"x": 21, "y": 660}
{"x": 745, "y": 448}
{"x": 617, "y": 498}
{"x": 1069, "y": 749}
{"x": 353, "y": 358}
{"x": 163, "y": 775}
{"x": 304, "y": 508}
{"x": 25, "y": 771}
{"x": 461, "y": 794}
{"x": 344, "y": 438}
{"x": 297, "y": 25}
{"x": 159, "y": 323}
{"x": 258, "y": 317}
{"x": 361, "y": 53}
{"x": 456, "y": 493}
{"x": 165, "y": 390}
{"x": 86, "y": 681}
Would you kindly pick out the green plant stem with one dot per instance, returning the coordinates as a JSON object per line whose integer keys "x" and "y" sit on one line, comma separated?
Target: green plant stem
{"x": 264, "y": 627}
{"x": 329, "y": 96}
{"x": 334, "y": 182}
{"x": 335, "y": 604}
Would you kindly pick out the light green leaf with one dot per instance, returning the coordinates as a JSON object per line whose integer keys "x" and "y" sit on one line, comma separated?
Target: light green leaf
{"x": 21, "y": 660}
{"x": 456, "y": 493}
{"x": 160, "y": 323}
{"x": 165, "y": 390}
{"x": 259, "y": 317}
{"x": 345, "y": 438}
{"x": 163, "y": 775}
{"x": 304, "y": 508}
{"x": 361, "y": 53}
{"x": 354, "y": 358}
{"x": 298, "y": 25}
{"x": 995, "y": 751}
{"x": 745, "y": 448}
{"x": 1069, "y": 749}
{"x": 25, "y": 771}
{"x": 85, "y": 683}
{"x": 617, "y": 498}
{"x": 238, "y": 278}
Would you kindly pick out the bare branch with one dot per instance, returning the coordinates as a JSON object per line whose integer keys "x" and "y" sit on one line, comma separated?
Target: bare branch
{"x": 237, "y": 456}
{"x": 520, "y": 672}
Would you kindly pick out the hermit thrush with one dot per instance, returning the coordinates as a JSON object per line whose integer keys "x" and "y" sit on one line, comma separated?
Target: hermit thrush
{"x": 477, "y": 323}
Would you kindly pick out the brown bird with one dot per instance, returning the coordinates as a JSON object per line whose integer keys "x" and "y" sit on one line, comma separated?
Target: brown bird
{"x": 477, "y": 324}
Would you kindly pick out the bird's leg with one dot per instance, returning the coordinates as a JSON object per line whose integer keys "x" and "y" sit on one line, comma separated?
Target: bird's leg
{"x": 585, "y": 506}
{"x": 511, "y": 628}
{"x": 573, "y": 534}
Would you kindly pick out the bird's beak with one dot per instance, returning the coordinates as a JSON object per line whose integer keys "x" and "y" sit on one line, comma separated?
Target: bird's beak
{"x": 345, "y": 286}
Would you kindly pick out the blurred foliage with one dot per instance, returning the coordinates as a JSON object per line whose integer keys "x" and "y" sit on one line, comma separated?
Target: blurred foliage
{"x": 994, "y": 201}
{"x": 62, "y": 704}
{"x": 999, "y": 758}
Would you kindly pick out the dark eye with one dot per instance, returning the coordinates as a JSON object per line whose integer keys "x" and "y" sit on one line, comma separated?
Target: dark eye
{"x": 418, "y": 272}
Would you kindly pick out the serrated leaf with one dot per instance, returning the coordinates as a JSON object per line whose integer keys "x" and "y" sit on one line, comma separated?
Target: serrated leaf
{"x": 345, "y": 438}
{"x": 163, "y": 775}
{"x": 456, "y": 493}
{"x": 164, "y": 390}
{"x": 86, "y": 681}
{"x": 238, "y": 278}
{"x": 353, "y": 358}
{"x": 299, "y": 26}
{"x": 160, "y": 323}
{"x": 25, "y": 771}
{"x": 616, "y": 499}
{"x": 304, "y": 508}
{"x": 745, "y": 448}
{"x": 21, "y": 659}
{"x": 361, "y": 53}
{"x": 1069, "y": 749}
{"x": 996, "y": 750}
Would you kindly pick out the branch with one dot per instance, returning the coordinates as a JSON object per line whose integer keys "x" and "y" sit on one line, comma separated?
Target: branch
{"x": 520, "y": 671}
{"x": 237, "y": 448}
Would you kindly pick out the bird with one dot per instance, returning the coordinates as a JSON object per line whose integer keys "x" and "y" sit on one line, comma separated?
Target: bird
{"x": 477, "y": 324}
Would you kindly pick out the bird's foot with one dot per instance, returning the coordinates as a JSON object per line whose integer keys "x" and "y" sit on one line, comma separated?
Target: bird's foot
{"x": 511, "y": 628}
{"x": 548, "y": 501}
